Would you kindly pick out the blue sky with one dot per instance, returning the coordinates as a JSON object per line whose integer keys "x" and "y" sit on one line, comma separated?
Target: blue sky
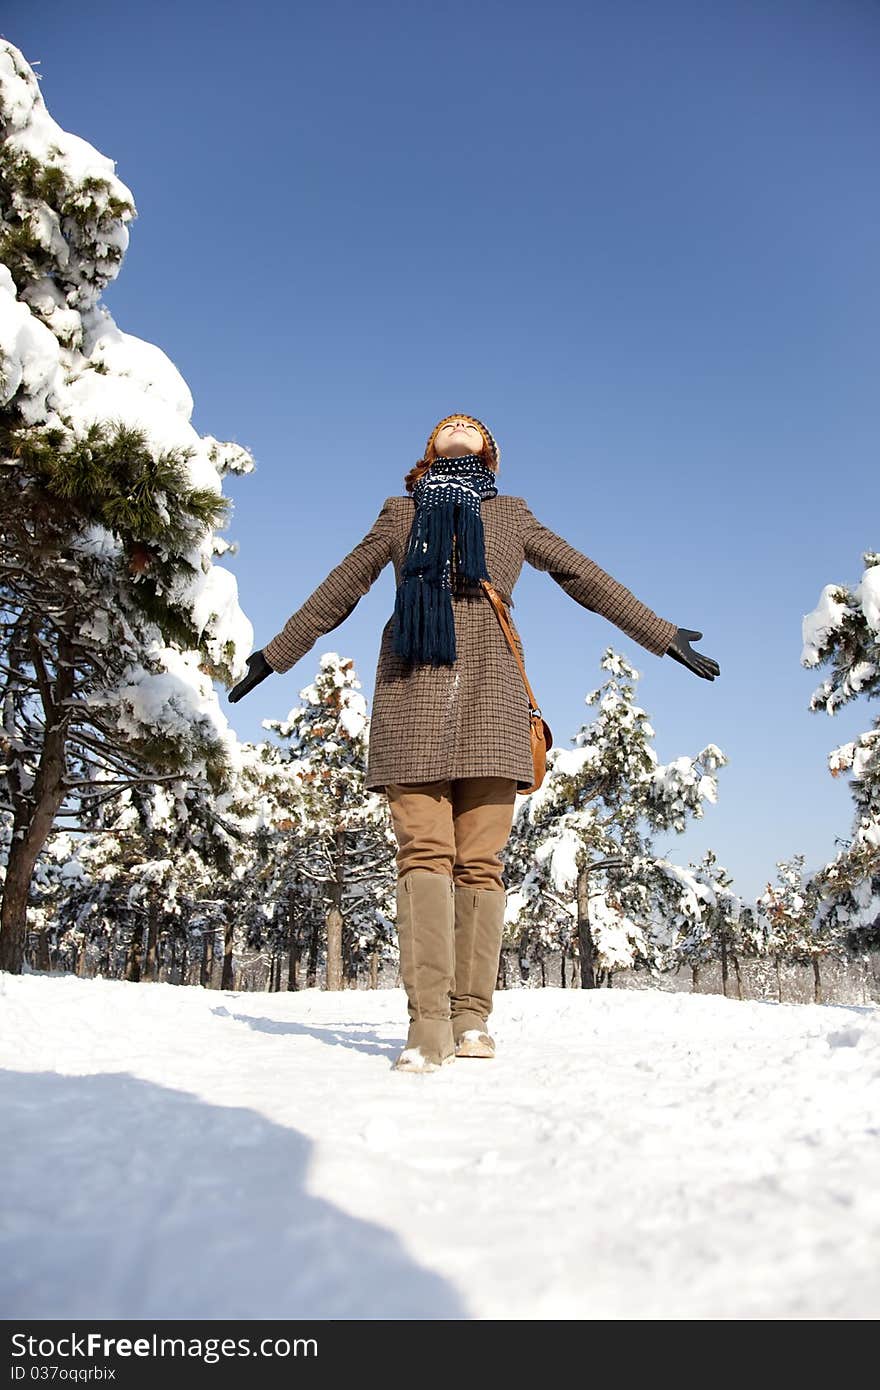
{"x": 638, "y": 240}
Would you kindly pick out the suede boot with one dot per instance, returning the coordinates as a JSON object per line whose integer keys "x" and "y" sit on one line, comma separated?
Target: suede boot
{"x": 425, "y": 930}
{"x": 479, "y": 926}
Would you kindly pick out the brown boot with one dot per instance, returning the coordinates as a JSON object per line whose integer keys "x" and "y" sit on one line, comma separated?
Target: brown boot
{"x": 479, "y": 925}
{"x": 425, "y": 929}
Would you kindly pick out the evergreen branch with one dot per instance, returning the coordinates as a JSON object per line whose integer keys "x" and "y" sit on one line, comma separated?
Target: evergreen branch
{"x": 111, "y": 755}
{"x": 120, "y": 784}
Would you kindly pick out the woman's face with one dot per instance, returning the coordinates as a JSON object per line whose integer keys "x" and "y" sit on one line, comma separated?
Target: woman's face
{"x": 456, "y": 437}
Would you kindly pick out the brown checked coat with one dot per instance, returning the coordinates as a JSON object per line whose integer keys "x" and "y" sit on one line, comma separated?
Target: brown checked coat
{"x": 470, "y": 719}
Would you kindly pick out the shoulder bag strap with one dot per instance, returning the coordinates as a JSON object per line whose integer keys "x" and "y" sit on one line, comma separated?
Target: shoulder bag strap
{"x": 503, "y": 618}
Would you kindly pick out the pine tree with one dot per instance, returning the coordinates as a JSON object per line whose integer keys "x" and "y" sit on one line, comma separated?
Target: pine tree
{"x": 126, "y": 897}
{"x": 795, "y": 930}
{"x": 843, "y": 631}
{"x": 344, "y": 844}
{"x": 715, "y": 934}
{"x": 166, "y": 879}
{"x": 115, "y": 617}
{"x": 591, "y": 816}
{"x": 268, "y": 906}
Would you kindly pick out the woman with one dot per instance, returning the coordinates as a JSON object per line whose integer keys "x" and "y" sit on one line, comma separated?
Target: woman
{"x": 449, "y": 731}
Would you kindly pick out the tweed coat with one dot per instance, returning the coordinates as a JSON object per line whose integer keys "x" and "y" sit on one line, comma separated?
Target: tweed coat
{"x": 470, "y": 719}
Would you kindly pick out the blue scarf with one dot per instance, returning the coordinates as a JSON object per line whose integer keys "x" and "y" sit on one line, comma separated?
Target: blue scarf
{"x": 447, "y": 528}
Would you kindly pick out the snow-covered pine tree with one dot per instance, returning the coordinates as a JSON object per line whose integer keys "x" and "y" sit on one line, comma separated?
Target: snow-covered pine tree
{"x": 169, "y": 880}
{"x": 843, "y": 631}
{"x": 592, "y": 815}
{"x": 269, "y": 908}
{"x": 345, "y": 844}
{"x": 793, "y": 928}
{"x": 114, "y": 615}
{"x": 715, "y": 933}
{"x": 93, "y": 893}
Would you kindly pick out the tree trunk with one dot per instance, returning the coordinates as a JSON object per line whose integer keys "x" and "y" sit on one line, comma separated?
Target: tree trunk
{"x": 41, "y": 950}
{"x": 334, "y": 915}
{"x": 227, "y": 979}
{"x": 292, "y": 962}
{"x": 695, "y": 979}
{"x": 34, "y": 814}
{"x": 134, "y": 958}
{"x": 174, "y": 972}
{"x": 22, "y": 857}
{"x": 349, "y": 967}
{"x": 334, "y": 948}
{"x": 374, "y": 970}
{"x": 314, "y": 946}
{"x": 501, "y": 977}
{"x": 292, "y": 940}
{"x": 585, "y": 936}
{"x": 817, "y": 982}
{"x": 151, "y": 964}
{"x": 562, "y": 976}
{"x": 778, "y": 979}
{"x": 724, "y": 967}
{"x": 738, "y": 973}
{"x": 524, "y": 963}
{"x": 204, "y": 968}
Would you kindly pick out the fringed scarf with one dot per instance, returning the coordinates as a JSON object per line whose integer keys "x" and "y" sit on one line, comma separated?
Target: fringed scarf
{"x": 447, "y": 529}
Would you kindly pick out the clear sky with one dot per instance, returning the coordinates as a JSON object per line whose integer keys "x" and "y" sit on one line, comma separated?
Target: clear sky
{"x": 639, "y": 240}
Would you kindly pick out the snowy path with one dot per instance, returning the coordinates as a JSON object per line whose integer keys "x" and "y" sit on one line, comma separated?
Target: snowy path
{"x": 182, "y": 1152}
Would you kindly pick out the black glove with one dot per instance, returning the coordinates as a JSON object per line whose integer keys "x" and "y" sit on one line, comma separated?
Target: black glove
{"x": 258, "y": 670}
{"x": 682, "y": 650}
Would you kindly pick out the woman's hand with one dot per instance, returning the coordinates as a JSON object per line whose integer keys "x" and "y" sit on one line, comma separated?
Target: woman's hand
{"x": 680, "y": 647}
{"x": 258, "y": 670}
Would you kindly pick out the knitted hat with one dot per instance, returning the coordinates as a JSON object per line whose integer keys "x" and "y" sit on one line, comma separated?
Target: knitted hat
{"x": 490, "y": 448}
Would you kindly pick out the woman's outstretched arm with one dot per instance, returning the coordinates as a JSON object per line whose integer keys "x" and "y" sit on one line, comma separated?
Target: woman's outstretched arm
{"x": 592, "y": 586}
{"x": 327, "y": 607}
{"x": 337, "y": 595}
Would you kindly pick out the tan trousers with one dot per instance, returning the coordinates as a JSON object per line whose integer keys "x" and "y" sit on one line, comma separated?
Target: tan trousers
{"x": 455, "y": 827}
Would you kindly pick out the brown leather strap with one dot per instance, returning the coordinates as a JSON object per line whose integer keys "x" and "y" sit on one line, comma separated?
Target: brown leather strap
{"x": 506, "y": 628}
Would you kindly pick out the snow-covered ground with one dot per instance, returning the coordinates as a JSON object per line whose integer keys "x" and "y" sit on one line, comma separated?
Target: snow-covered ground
{"x": 188, "y": 1153}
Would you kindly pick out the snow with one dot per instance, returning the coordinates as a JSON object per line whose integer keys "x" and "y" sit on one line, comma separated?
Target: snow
{"x": 96, "y": 540}
{"x": 867, "y": 593}
{"x": 174, "y": 700}
{"x": 869, "y": 831}
{"x": 628, "y": 1154}
{"x": 692, "y": 890}
{"x": 29, "y": 355}
{"x": 562, "y": 850}
{"x": 124, "y": 355}
{"x": 817, "y": 626}
{"x": 100, "y": 397}
{"x": 353, "y": 716}
{"x": 211, "y": 598}
{"x": 572, "y": 762}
